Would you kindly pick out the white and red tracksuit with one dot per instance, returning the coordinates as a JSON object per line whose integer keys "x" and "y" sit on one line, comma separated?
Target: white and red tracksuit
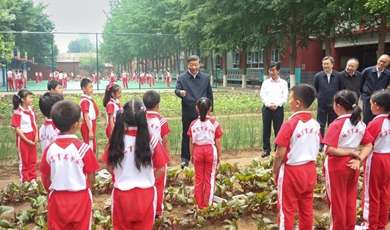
{"x": 61, "y": 78}
{"x": 10, "y": 79}
{"x": 150, "y": 78}
{"x": 50, "y": 76}
{"x": 340, "y": 180}
{"x": 26, "y": 121}
{"x": 47, "y": 134}
{"x": 133, "y": 201}
{"x": 36, "y": 77}
{"x": 111, "y": 108}
{"x": 203, "y": 134}
{"x": 40, "y": 77}
{"x": 18, "y": 81}
{"x": 65, "y": 81}
{"x": 158, "y": 127}
{"x": 56, "y": 76}
{"x": 301, "y": 136}
{"x": 24, "y": 79}
{"x": 376, "y": 185}
{"x": 135, "y": 78}
{"x": 125, "y": 81}
{"x": 168, "y": 79}
{"x": 67, "y": 161}
{"x": 112, "y": 78}
{"x": 143, "y": 78}
{"x": 87, "y": 104}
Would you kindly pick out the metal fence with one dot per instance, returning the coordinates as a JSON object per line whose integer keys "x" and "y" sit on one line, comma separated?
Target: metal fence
{"x": 144, "y": 61}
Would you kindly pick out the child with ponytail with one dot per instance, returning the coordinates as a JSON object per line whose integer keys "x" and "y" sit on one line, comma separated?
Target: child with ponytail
{"x": 135, "y": 159}
{"x": 376, "y": 184}
{"x": 205, "y": 148}
{"x": 111, "y": 103}
{"x": 24, "y": 124}
{"x": 342, "y": 164}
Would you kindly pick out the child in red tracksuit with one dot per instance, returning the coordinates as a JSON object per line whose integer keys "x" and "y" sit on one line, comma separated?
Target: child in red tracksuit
{"x": 24, "y": 124}
{"x": 297, "y": 147}
{"x": 68, "y": 165}
{"x": 376, "y": 186}
{"x": 89, "y": 113}
{"x": 135, "y": 159}
{"x": 111, "y": 103}
{"x": 48, "y": 131}
{"x": 158, "y": 127}
{"x": 205, "y": 149}
{"x": 342, "y": 164}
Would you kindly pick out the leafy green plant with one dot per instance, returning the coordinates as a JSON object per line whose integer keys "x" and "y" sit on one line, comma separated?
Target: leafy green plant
{"x": 323, "y": 222}
{"x": 104, "y": 221}
{"x": 172, "y": 176}
{"x": 189, "y": 175}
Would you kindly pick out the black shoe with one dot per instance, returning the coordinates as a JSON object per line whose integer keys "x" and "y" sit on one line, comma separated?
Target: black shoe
{"x": 266, "y": 153}
{"x": 184, "y": 164}
{"x": 156, "y": 217}
{"x": 321, "y": 147}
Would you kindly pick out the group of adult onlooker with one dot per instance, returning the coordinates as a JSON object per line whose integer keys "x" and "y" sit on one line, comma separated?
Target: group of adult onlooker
{"x": 327, "y": 82}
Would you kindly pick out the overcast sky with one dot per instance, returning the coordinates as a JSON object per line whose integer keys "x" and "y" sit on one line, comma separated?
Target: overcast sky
{"x": 76, "y": 16}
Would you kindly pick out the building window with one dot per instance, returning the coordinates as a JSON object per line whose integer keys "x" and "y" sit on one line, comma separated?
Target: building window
{"x": 254, "y": 59}
{"x": 275, "y": 55}
{"x": 236, "y": 60}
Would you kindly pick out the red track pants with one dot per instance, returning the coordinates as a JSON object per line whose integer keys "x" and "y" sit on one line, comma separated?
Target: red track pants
{"x": 160, "y": 186}
{"x": 341, "y": 192}
{"x": 69, "y": 210}
{"x": 133, "y": 209}
{"x": 85, "y": 134}
{"x": 295, "y": 194}
{"x": 376, "y": 191}
{"x": 27, "y": 158}
{"x": 205, "y": 164}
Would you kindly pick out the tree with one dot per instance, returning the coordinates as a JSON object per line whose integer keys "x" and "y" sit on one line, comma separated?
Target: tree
{"x": 379, "y": 11}
{"x": 32, "y": 19}
{"x": 82, "y": 45}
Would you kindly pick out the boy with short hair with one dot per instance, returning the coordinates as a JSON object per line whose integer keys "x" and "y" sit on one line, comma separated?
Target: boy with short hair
{"x": 89, "y": 113}
{"x": 158, "y": 127}
{"x": 48, "y": 131}
{"x": 70, "y": 166}
{"x": 298, "y": 141}
{"x": 54, "y": 86}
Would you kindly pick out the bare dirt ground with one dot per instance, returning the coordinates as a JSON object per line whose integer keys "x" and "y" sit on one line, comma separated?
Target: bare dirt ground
{"x": 243, "y": 157}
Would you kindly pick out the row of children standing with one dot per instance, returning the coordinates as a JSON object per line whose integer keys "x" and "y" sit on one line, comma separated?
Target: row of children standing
{"x": 68, "y": 165}
{"x": 16, "y": 80}
{"x": 298, "y": 143}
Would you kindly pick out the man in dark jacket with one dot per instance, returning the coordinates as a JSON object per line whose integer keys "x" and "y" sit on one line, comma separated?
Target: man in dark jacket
{"x": 375, "y": 78}
{"x": 190, "y": 86}
{"x": 327, "y": 83}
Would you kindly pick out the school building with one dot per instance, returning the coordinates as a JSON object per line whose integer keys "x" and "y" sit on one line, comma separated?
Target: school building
{"x": 308, "y": 61}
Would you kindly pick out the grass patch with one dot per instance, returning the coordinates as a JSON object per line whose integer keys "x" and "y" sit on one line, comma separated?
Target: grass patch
{"x": 239, "y": 115}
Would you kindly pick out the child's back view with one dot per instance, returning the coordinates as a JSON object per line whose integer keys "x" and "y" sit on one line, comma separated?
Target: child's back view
{"x": 70, "y": 165}
{"x": 298, "y": 141}
{"x": 48, "y": 131}
{"x": 158, "y": 127}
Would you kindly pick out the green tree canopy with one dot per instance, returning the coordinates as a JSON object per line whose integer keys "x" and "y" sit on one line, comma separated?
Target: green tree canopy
{"x": 83, "y": 45}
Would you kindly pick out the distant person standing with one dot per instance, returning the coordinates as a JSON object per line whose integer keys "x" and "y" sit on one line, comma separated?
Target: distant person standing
{"x": 327, "y": 83}
{"x": 273, "y": 94}
{"x": 374, "y": 78}
{"x": 351, "y": 78}
{"x": 10, "y": 79}
{"x": 190, "y": 86}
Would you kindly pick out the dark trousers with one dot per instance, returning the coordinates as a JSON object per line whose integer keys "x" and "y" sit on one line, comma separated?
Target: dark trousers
{"x": 367, "y": 114}
{"x": 325, "y": 114}
{"x": 271, "y": 116}
{"x": 185, "y": 142}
